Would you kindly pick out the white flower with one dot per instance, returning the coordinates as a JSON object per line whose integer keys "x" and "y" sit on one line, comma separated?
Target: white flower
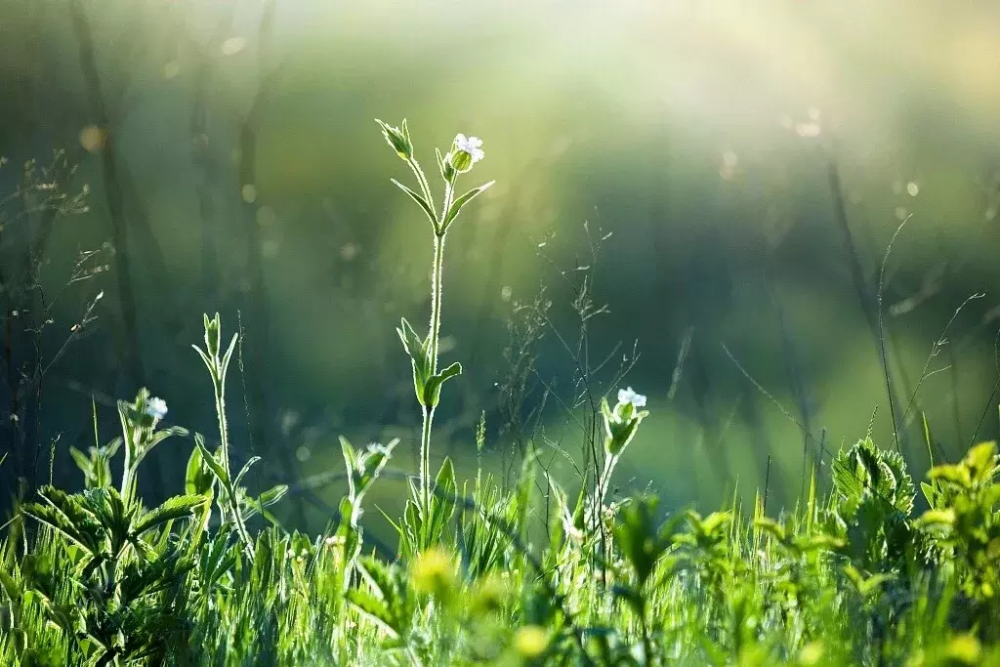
{"x": 628, "y": 395}
{"x": 470, "y": 145}
{"x": 156, "y": 408}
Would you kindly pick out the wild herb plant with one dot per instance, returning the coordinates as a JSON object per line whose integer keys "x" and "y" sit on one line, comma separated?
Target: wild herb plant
{"x": 117, "y": 556}
{"x": 465, "y": 152}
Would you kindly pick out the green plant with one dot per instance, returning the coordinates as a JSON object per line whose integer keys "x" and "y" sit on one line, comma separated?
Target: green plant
{"x": 106, "y": 544}
{"x": 964, "y": 517}
{"x": 465, "y": 152}
{"x": 874, "y": 497}
{"x": 234, "y": 504}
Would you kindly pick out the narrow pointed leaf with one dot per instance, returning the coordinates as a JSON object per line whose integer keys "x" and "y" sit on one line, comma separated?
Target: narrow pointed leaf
{"x": 210, "y": 460}
{"x": 421, "y": 202}
{"x": 246, "y": 468}
{"x": 459, "y": 203}
{"x": 199, "y": 478}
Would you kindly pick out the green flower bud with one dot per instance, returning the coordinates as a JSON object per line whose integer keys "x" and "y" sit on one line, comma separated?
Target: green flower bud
{"x": 398, "y": 138}
{"x": 212, "y": 332}
{"x": 460, "y": 161}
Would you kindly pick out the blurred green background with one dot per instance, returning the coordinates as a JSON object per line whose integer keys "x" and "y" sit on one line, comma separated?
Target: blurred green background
{"x": 684, "y": 160}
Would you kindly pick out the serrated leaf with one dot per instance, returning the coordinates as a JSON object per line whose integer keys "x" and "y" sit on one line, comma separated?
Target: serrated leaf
{"x": 59, "y": 522}
{"x": 954, "y": 474}
{"x": 174, "y": 508}
{"x": 937, "y": 518}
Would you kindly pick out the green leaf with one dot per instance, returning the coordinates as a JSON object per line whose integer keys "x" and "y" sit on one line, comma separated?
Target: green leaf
{"x": 715, "y": 521}
{"x": 928, "y": 439}
{"x": 199, "y": 478}
{"x": 398, "y": 139}
{"x": 937, "y": 518}
{"x": 406, "y": 132}
{"x": 371, "y": 463}
{"x": 930, "y": 493}
{"x": 82, "y": 461}
{"x": 421, "y": 202}
{"x": 980, "y": 461}
{"x": 374, "y": 609}
{"x": 632, "y": 597}
{"x": 209, "y": 364}
{"x": 954, "y": 474}
{"x": 350, "y": 462}
{"x": 177, "y": 507}
{"x": 210, "y": 460}
{"x": 459, "y": 203}
{"x": 272, "y": 495}
{"x": 432, "y": 390}
{"x": 57, "y": 521}
{"x": 771, "y": 527}
{"x": 416, "y": 348}
{"x": 443, "y": 502}
{"x": 638, "y": 538}
{"x": 525, "y": 489}
{"x": 213, "y": 331}
{"x": 446, "y": 170}
{"x": 557, "y": 524}
{"x": 245, "y": 469}
{"x": 224, "y": 365}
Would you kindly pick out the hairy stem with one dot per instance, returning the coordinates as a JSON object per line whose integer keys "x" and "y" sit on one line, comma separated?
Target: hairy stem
{"x": 604, "y": 481}
{"x": 220, "y": 411}
{"x": 425, "y": 459}
{"x": 436, "y": 295}
{"x": 230, "y": 491}
{"x": 425, "y": 187}
{"x": 437, "y": 276}
{"x": 435, "y": 335}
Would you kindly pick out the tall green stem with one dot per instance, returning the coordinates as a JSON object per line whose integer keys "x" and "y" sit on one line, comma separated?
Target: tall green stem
{"x": 220, "y": 410}
{"x": 437, "y": 278}
{"x": 604, "y": 481}
{"x": 127, "y": 485}
{"x": 230, "y": 490}
{"x": 425, "y": 459}
{"x": 436, "y": 294}
{"x": 435, "y": 336}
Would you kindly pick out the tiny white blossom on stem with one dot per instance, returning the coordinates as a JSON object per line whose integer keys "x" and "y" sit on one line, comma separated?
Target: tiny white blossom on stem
{"x": 156, "y": 408}
{"x": 470, "y": 145}
{"x": 628, "y": 395}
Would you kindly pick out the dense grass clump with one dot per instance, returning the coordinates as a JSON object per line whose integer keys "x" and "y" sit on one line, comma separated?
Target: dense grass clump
{"x": 855, "y": 577}
{"x": 486, "y": 573}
